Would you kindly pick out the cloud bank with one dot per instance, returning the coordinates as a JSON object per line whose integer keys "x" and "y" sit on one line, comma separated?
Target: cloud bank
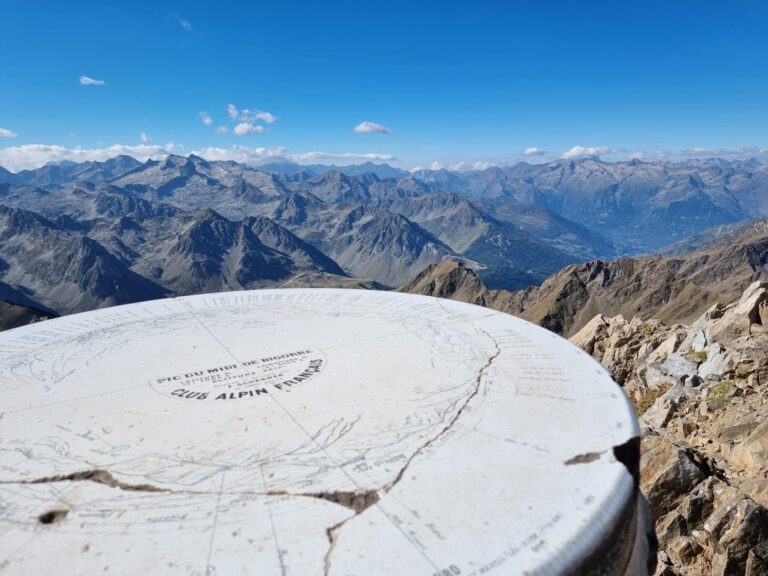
{"x": 35, "y": 155}
{"x": 15, "y": 158}
{"x": 29, "y": 156}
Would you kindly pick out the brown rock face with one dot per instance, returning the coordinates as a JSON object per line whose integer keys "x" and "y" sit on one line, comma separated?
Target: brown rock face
{"x": 702, "y": 393}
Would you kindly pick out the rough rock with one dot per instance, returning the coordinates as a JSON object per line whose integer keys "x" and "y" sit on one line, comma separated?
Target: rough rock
{"x": 702, "y": 393}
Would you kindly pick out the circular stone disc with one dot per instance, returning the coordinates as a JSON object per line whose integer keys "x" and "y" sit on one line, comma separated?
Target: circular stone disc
{"x": 308, "y": 432}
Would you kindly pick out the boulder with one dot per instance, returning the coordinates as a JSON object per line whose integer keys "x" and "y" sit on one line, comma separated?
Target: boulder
{"x": 752, "y": 454}
{"x": 737, "y": 320}
{"x": 667, "y": 347}
{"x": 667, "y": 474}
{"x": 743, "y": 533}
{"x": 658, "y": 415}
{"x": 757, "y": 489}
{"x": 594, "y": 331}
{"x": 719, "y": 361}
{"x": 673, "y": 368}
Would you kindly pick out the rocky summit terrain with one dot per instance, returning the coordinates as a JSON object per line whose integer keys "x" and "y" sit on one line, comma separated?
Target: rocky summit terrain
{"x": 701, "y": 391}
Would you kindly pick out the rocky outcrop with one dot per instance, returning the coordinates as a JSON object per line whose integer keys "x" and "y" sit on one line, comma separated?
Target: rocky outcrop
{"x": 702, "y": 395}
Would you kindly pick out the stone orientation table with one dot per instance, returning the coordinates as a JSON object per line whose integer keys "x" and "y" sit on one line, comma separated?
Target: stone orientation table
{"x": 311, "y": 431}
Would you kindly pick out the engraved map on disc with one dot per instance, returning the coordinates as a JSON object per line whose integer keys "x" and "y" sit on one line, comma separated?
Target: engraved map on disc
{"x": 309, "y": 431}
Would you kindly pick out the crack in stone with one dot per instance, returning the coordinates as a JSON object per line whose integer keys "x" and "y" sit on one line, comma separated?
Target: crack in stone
{"x": 365, "y": 500}
{"x": 358, "y": 501}
{"x": 332, "y": 533}
{"x": 387, "y": 487}
{"x": 97, "y": 475}
{"x": 584, "y": 458}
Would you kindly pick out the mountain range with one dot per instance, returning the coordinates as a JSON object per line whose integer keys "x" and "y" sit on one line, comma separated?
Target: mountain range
{"x": 75, "y": 236}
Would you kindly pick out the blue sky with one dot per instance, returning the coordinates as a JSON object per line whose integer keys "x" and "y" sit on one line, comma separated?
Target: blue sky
{"x": 444, "y": 82}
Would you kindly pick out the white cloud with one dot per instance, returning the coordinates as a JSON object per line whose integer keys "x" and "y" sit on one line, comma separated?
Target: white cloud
{"x": 145, "y": 138}
{"x": 255, "y": 115}
{"x": 87, "y": 81}
{"x": 5, "y": 133}
{"x": 247, "y": 128}
{"x": 245, "y": 120}
{"x": 578, "y": 151}
{"x": 365, "y": 127}
{"x": 183, "y": 22}
{"x": 206, "y": 119}
{"x": 533, "y": 151}
{"x": 17, "y": 158}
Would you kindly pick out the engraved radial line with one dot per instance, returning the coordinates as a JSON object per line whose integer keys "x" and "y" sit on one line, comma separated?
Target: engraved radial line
{"x": 219, "y": 342}
{"x": 272, "y": 522}
{"x": 310, "y": 437}
{"x": 215, "y": 523}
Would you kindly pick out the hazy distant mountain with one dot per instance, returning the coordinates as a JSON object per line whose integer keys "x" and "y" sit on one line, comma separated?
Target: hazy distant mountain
{"x": 290, "y": 168}
{"x": 186, "y": 224}
{"x": 367, "y": 242}
{"x": 192, "y": 183}
{"x": 633, "y": 206}
{"x": 638, "y": 206}
{"x": 59, "y": 174}
{"x": 511, "y": 257}
{"x": 6, "y": 176}
{"x": 560, "y": 233}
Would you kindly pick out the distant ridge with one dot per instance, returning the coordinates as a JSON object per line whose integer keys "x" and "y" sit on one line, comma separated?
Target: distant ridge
{"x": 672, "y": 289}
